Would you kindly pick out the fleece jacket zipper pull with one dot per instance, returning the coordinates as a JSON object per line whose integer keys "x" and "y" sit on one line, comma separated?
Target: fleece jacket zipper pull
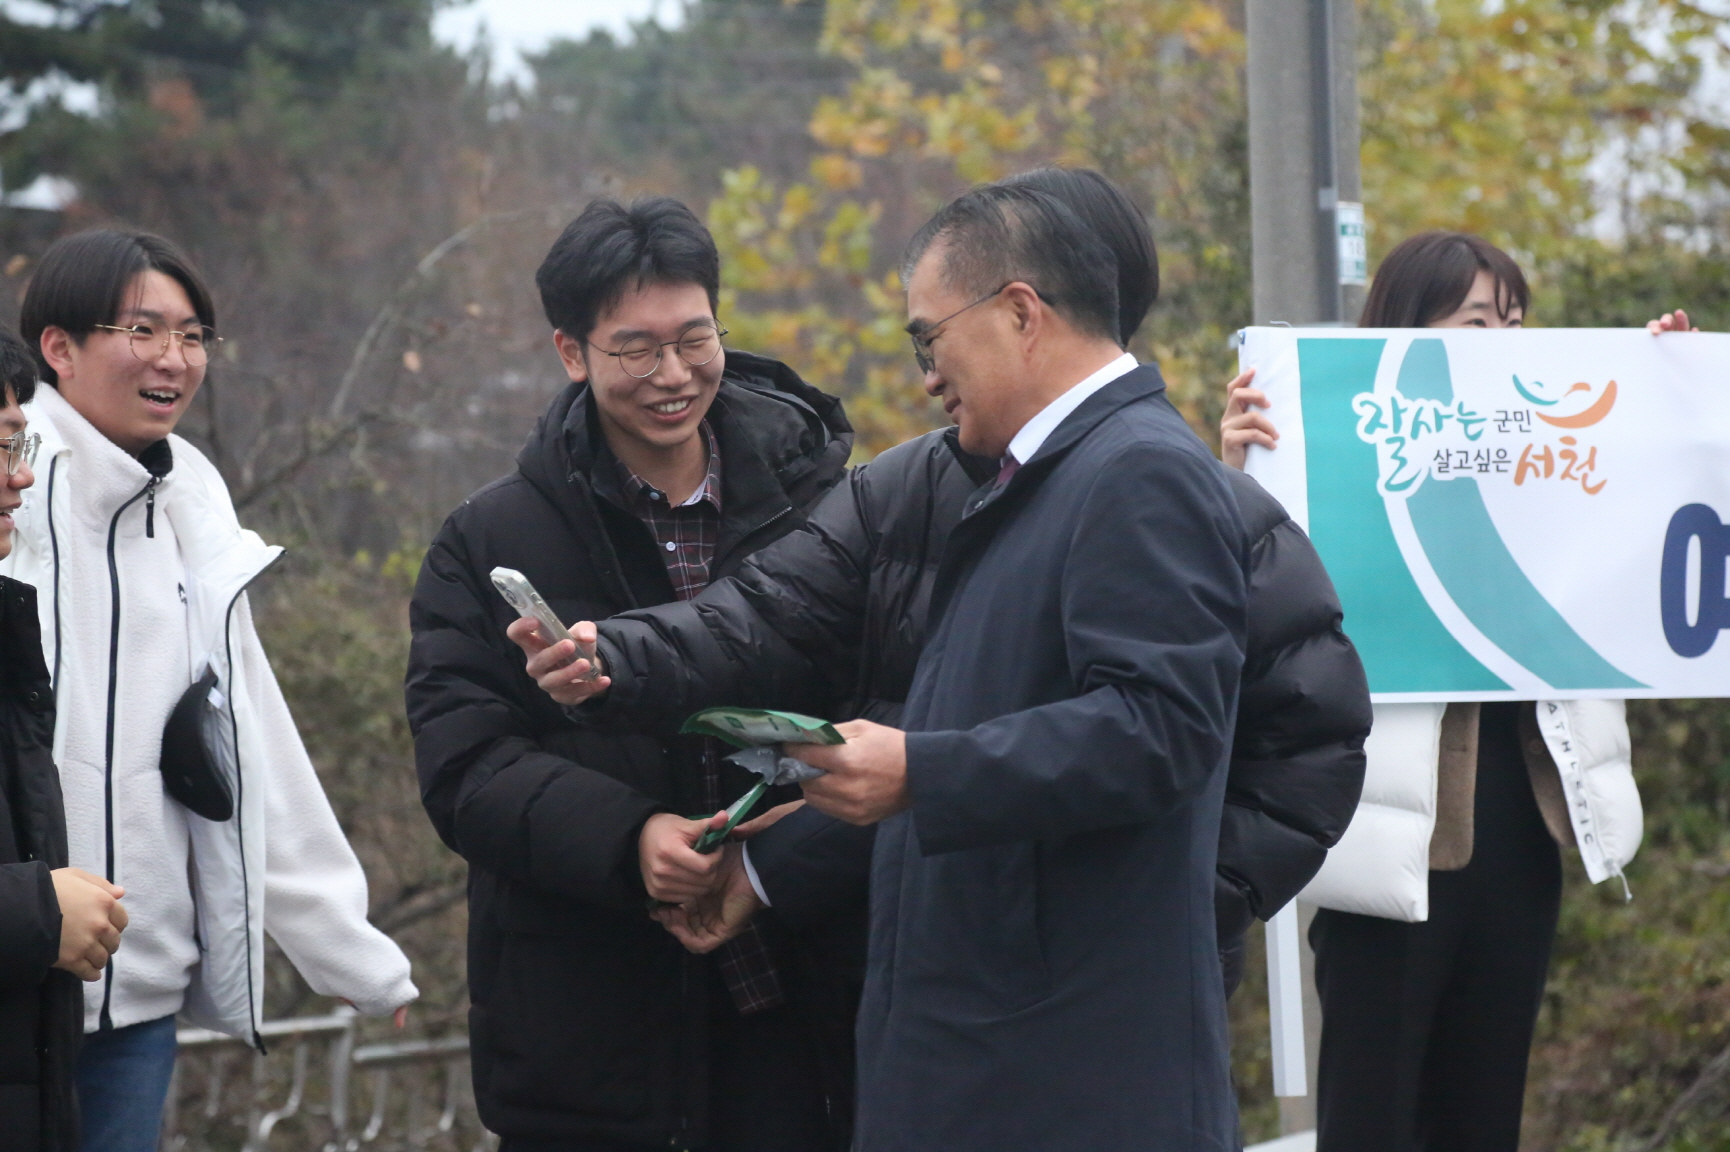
{"x": 150, "y": 507}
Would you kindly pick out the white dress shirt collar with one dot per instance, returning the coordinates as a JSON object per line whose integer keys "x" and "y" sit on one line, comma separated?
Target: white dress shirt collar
{"x": 1033, "y": 434}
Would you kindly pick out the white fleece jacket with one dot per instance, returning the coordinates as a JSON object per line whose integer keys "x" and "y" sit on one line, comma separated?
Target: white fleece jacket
{"x": 140, "y": 589}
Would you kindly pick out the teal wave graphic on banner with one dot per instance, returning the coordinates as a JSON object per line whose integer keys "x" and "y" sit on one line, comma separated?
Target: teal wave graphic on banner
{"x": 1474, "y": 565}
{"x": 1404, "y": 647}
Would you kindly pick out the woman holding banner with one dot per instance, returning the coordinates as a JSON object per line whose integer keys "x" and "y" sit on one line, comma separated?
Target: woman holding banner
{"x": 1427, "y": 1023}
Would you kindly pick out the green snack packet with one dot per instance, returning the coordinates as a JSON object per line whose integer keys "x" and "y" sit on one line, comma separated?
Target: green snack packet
{"x": 755, "y": 727}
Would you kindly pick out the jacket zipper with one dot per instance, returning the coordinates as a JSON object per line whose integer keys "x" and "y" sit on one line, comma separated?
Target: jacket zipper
{"x": 239, "y": 818}
{"x": 682, "y": 1135}
{"x": 148, "y": 493}
{"x": 239, "y": 798}
{"x": 54, "y": 553}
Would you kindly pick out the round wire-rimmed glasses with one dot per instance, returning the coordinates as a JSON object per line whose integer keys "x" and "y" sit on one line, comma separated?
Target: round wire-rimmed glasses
{"x": 150, "y": 342}
{"x": 19, "y": 449}
{"x": 640, "y": 357}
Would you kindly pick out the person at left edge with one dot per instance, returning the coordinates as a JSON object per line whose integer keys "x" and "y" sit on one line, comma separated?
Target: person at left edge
{"x": 665, "y": 463}
{"x": 141, "y": 569}
{"x": 58, "y": 924}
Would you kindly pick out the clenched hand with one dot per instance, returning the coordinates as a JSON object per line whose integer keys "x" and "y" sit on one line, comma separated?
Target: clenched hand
{"x": 91, "y": 920}
{"x": 673, "y": 870}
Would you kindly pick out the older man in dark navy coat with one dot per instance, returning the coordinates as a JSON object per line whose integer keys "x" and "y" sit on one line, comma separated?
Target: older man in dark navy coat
{"x": 1042, "y": 969}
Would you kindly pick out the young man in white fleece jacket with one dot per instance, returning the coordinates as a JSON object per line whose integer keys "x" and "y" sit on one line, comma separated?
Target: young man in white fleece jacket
{"x": 140, "y": 564}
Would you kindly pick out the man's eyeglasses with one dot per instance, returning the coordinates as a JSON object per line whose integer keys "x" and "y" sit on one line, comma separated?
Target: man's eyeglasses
{"x": 640, "y": 357}
{"x": 923, "y": 340}
{"x": 150, "y": 342}
{"x": 19, "y": 450}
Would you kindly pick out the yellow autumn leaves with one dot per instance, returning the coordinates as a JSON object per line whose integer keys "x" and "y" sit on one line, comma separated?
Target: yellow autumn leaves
{"x": 1477, "y": 116}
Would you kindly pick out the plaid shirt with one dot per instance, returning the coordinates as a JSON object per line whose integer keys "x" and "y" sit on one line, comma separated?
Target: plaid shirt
{"x": 686, "y": 535}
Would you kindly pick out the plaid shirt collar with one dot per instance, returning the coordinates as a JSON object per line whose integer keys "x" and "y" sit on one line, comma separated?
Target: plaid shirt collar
{"x": 647, "y": 501}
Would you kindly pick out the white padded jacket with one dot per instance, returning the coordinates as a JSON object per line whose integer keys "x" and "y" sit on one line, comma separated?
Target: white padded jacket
{"x": 1381, "y": 866}
{"x": 141, "y": 587}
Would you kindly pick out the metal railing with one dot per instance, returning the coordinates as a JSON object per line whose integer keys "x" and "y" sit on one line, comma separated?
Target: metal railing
{"x": 417, "y": 1093}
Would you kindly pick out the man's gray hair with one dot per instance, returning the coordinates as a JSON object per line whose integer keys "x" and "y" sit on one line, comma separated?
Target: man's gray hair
{"x": 998, "y": 234}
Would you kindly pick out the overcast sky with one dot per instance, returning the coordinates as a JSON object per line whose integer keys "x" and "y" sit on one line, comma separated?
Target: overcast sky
{"x": 513, "y": 27}
{"x": 517, "y": 26}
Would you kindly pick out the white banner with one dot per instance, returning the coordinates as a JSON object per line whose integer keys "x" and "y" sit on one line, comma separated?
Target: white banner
{"x": 1511, "y": 514}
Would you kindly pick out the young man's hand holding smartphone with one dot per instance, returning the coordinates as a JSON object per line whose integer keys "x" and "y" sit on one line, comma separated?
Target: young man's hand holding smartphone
{"x": 562, "y": 661}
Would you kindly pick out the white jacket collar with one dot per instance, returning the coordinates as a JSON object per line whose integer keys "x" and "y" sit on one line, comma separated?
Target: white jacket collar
{"x": 98, "y": 477}
{"x": 107, "y": 475}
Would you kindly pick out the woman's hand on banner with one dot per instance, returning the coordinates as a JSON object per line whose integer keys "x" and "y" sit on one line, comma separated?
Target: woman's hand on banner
{"x": 1242, "y": 425}
{"x": 547, "y": 663}
{"x": 1676, "y": 321}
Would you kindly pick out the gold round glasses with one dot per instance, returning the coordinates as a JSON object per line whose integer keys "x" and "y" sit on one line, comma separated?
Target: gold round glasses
{"x": 150, "y": 342}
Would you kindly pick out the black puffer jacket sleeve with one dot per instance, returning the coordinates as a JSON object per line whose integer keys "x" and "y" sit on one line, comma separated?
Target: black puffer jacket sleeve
{"x": 29, "y": 924}
{"x": 784, "y": 632}
{"x": 1297, "y": 762}
{"x": 496, "y": 792}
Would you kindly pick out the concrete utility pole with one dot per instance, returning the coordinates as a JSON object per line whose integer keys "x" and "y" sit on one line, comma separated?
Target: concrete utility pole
{"x": 1309, "y": 266}
{"x": 1303, "y": 161}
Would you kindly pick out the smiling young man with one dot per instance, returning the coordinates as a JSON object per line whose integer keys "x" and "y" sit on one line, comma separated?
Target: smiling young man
{"x": 664, "y": 464}
{"x": 141, "y": 566}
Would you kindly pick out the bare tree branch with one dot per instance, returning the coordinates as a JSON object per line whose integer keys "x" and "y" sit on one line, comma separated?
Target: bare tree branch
{"x": 1709, "y": 1077}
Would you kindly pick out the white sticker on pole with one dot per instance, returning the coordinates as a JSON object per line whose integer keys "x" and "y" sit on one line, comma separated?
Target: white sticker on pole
{"x": 1285, "y": 1003}
{"x": 1354, "y": 252}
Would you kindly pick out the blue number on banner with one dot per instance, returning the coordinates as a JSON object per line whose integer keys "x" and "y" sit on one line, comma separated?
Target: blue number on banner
{"x": 1696, "y": 639}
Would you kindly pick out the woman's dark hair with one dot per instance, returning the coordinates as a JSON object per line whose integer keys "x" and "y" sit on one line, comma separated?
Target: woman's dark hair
{"x": 1111, "y": 214}
{"x": 1428, "y": 276}
{"x": 610, "y": 249}
{"x": 17, "y": 367}
{"x": 1000, "y": 233}
{"x": 82, "y": 280}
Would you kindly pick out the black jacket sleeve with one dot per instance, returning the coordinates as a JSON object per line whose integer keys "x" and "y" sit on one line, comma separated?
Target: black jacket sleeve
{"x": 29, "y": 924}
{"x": 1297, "y": 759}
{"x": 495, "y": 792}
{"x": 784, "y": 632}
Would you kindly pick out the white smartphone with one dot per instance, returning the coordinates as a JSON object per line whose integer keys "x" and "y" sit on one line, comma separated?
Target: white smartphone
{"x": 521, "y": 595}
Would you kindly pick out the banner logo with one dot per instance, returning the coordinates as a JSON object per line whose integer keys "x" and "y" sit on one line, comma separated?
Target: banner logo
{"x": 1420, "y": 437}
